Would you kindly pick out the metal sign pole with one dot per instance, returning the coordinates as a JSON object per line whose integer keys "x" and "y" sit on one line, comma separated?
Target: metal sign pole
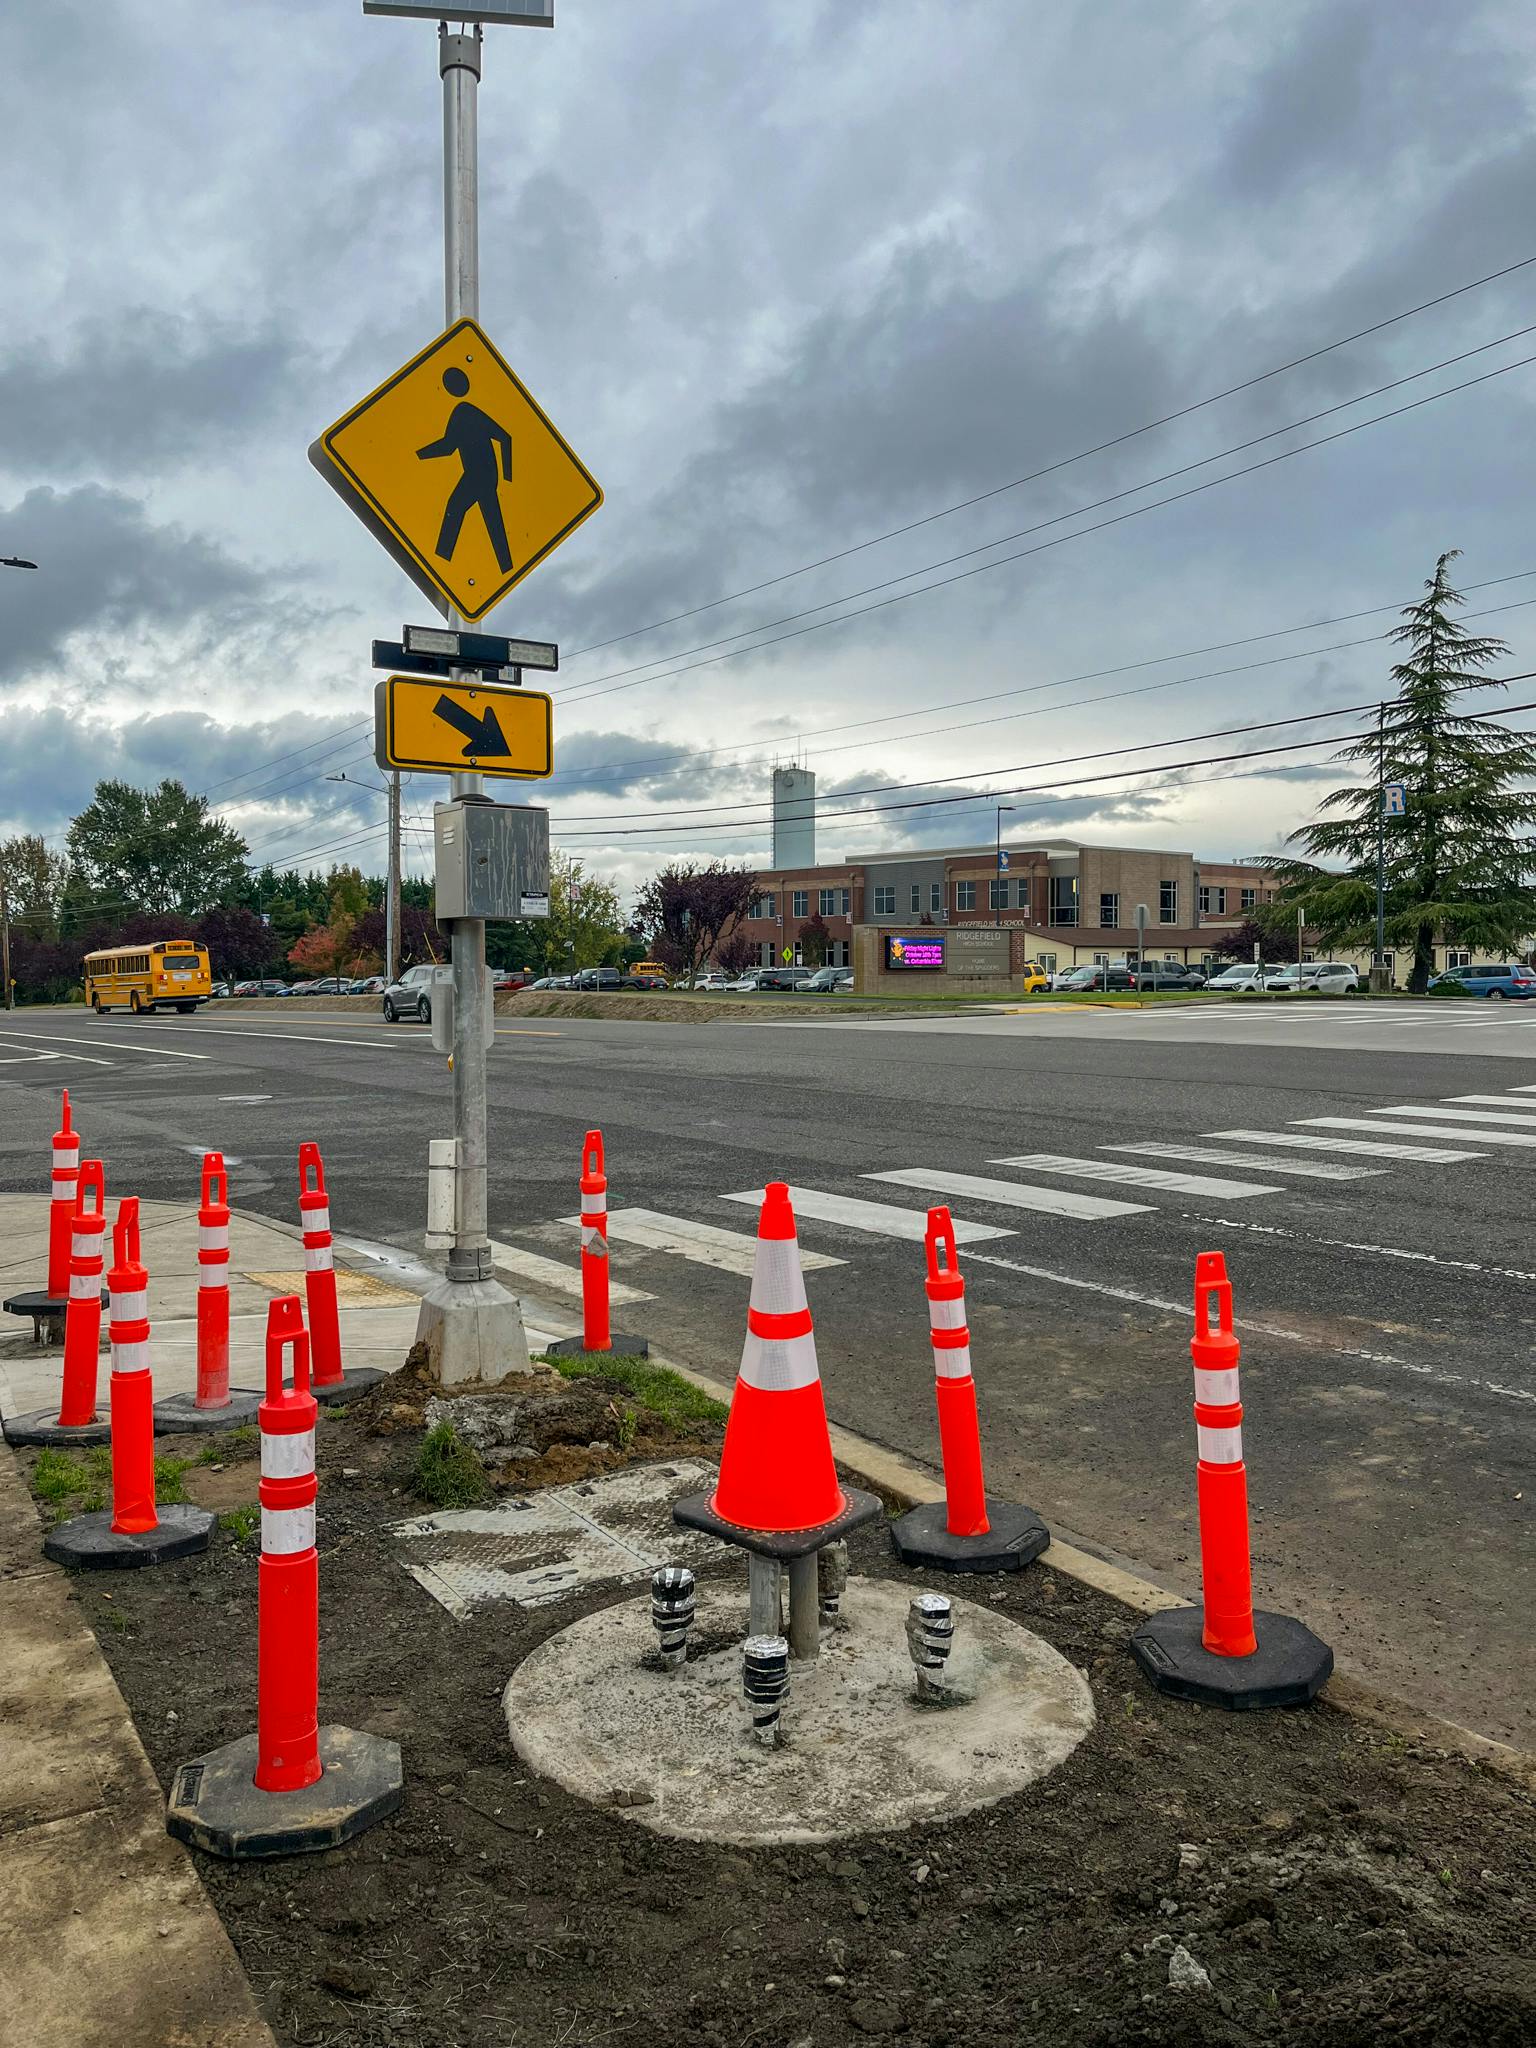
{"x": 473, "y": 1326}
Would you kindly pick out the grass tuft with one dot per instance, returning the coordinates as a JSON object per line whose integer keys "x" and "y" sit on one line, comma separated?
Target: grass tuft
{"x": 241, "y": 1523}
{"x": 448, "y": 1471}
{"x": 654, "y": 1386}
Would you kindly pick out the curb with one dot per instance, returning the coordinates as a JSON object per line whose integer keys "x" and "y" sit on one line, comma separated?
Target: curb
{"x": 904, "y": 1484}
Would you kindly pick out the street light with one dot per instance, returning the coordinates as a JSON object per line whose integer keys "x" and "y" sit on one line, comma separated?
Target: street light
{"x": 997, "y": 884}
{"x": 16, "y": 562}
{"x": 392, "y": 886}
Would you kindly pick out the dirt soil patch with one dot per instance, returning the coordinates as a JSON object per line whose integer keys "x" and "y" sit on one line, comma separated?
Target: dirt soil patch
{"x": 1186, "y": 1877}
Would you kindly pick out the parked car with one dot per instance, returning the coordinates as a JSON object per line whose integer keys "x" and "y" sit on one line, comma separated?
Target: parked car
{"x": 638, "y": 977}
{"x": 1496, "y": 979}
{"x": 368, "y": 985}
{"x": 274, "y": 988}
{"x": 551, "y": 981}
{"x": 1328, "y": 977}
{"x": 505, "y": 979}
{"x": 1035, "y": 977}
{"x": 605, "y": 980}
{"x": 712, "y": 982}
{"x": 828, "y": 981}
{"x": 1243, "y": 974}
{"x": 302, "y": 988}
{"x": 246, "y": 988}
{"x": 783, "y": 980}
{"x": 1093, "y": 977}
{"x": 1160, "y": 974}
{"x": 745, "y": 984}
{"x": 328, "y": 985}
{"x": 411, "y": 995}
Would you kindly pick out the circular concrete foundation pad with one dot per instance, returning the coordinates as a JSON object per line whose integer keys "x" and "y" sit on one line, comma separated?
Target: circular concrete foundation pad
{"x": 590, "y": 1709}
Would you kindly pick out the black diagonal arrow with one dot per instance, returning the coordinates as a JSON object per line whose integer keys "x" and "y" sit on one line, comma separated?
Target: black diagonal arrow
{"x": 483, "y": 736}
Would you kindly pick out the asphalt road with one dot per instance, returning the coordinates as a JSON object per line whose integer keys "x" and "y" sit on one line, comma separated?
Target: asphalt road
{"x": 1384, "y": 1271}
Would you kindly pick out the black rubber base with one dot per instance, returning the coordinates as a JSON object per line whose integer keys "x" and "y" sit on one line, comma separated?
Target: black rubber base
{"x": 179, "y": 1414}
{"x": 350, "y": 1387}
{"x": 1287, "y": 1669}
{"x": 695, "y": 1512}
{"x": 42, "y": 1426}
{"x": 619, "y": 1346}
{"x": 46, "y": 1310}
{"x": 87, "y": 1542}
{"x": 1016, "y": 1538}
{"x": 214, "y": 1803}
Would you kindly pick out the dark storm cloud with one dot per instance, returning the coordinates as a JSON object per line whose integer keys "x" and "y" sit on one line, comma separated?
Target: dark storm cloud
{"x": 141, "y": 386}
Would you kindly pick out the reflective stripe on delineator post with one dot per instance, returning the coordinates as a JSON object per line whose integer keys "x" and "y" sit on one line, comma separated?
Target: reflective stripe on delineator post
{"x": 82, "y": 1319}
{"x": 965, "y": 1493}
{"x": 213, "y": 1285}
{"x": 319, "y": 1269}
{"x": 596, "y": 1323}
{"x": 131, "y": 1389}
{"x": 1222, "y": 1482}
{"x": 288, "y": 1578}
{"x": 61, "y": 1204}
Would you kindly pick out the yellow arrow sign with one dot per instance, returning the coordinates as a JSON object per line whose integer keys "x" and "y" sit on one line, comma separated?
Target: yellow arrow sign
{"x": 419, "y": 722}
{"x": 454, "y": 467}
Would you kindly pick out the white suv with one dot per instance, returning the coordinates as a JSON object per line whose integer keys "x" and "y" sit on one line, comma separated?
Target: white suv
{"x": 1329, "y": 978}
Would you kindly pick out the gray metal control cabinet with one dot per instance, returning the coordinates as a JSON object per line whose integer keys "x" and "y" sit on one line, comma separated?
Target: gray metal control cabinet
{"x": 492, "y": 860}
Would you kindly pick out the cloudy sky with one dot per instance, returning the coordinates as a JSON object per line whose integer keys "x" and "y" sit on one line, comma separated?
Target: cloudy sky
{"x": 791, "y": 279}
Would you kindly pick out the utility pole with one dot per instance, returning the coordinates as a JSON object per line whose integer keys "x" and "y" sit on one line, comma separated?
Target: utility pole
{"x": 5, "y": 944}
{"x": 998, "y": 884}
{"x": 1379, "y": 978}
{"x": 392, "y": 886}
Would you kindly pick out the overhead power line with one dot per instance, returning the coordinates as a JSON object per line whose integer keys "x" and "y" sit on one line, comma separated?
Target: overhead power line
{"x": 606, "y": 686}
{"x": 1066, "y": 461}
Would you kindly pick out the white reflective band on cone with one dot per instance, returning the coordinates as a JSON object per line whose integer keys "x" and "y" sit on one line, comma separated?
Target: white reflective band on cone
{"x": 213, "y": 1237}
{"x": 1217, "y": 1389}
{"x": 1220, "y": 1446}
{"x": 286, "y": 1530}
{"x": 317, "y": 1258}
{"x": 85, "y": 1244}
{"x": 315, "y": 1219}
{"x": 66, "y": 1156}
{"x": 594, "y": 1244}
{"x": 130, "y": 1357}
{"x": 65, "y": 1182}
{"x": 288, "y": 1457}
{"x": 778, "y": 1286}
{"x": 594, "y": 1205}
{"x": 777, "y": 1365}
{"x": 953, "y": 1365}
{"x": 84, "y": 1286}
{"x": 947, "y": 1315}
{"x": 130, "y": 1308}
{"x": 213, "y": 1276}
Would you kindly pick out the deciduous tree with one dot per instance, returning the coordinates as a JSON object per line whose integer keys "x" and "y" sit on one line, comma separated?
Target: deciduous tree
{"x": 687, "y": 909}
{"x": 155, "y": 850}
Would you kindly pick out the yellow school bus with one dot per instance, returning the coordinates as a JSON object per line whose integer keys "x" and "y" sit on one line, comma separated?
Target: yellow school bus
{"x": 170, "y": 974}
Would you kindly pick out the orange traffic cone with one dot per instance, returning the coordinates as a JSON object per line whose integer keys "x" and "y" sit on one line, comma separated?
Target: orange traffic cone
{"x": 778, "y": 1491}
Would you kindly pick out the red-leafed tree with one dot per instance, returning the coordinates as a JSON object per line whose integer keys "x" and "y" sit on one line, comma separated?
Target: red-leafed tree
{"x": 687, "y": 909}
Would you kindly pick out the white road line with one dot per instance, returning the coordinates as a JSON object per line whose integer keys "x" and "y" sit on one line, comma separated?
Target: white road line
{"x": 126, "y": 1044}
{"x": 281, "y": 1037}
{"x": 542, "y": 1272}
{"x": 883, "y": 1219}
{"x": 1361, "y": 1146}
{"x": 1360, "y": 1123}
{"x": 1138, "y": 1176}
{"x": 727, "y": 1251}
{"x": 1010, "y": 1194}
{"x": 1505, "y": 1101}
{"x": 1179, "y": 1308}
{"x": 1312, "y": 1169}
{"x": 1480, "y": 1117}
{"x": 31, "y": 1059}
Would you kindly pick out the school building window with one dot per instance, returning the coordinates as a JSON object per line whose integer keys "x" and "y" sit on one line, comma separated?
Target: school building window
{"x": 936, "y": 897}
{"x": 800, "y": 903}
{"x": 1213, "y": 902}
{"x": 1168, "y": 903}
{"x": 1247, "y": 898}
{"x": 997, "y": 895}
{"x": 917, "y": 897}
{"x": 885, "y": 899}
{"x": 1063, "y": 901}
{"x": 965, "y": 895}
{"x": 1109, "y": 910}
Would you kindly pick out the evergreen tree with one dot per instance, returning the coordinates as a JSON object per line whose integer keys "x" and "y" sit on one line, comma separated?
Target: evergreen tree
{"x": 1460, "y": 863}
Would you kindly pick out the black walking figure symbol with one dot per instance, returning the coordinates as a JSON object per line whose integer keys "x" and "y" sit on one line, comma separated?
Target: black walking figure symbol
{"x": 474, "y": 437}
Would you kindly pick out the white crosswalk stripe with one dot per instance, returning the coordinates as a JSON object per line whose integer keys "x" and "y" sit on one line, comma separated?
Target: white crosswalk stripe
{"x": 883, "y": 1219}
{"x": 1482, "y": 1136}
{"x": 1362, "y": 1146}
{"x": 1481, "y": 1117}
{"x": 1310, "y": 1169}
{"x": 533, "y": 1270}
{"x": 1138, "y": 1176}
{"x": 1008, "y": 1193}
{"x": 704, "y": 1244}
{"x": 1513, "y": 1101}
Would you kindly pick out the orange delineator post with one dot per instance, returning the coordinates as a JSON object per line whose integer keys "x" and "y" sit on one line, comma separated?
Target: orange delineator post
{"x": 965, "y": 1494}
{"x": 776, "y": 1469}
{"x": 319, "y": 1269}
{"x": 213, "y": 1285}
{"x": 288, "y": 1577}
{"x": 132, "y": 1390}
{"x": 596, "y": 1323}
{"x": 61, "y": 1207}
{"x": 1225, "y": 1564}
{"x": 82, "y": 1318}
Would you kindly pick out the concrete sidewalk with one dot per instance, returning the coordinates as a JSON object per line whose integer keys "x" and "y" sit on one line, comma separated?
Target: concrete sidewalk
{"x": 378, "y": 1319}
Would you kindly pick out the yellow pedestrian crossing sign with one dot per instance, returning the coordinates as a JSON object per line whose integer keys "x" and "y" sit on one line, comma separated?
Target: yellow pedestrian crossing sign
{"x": 454, "y": 467}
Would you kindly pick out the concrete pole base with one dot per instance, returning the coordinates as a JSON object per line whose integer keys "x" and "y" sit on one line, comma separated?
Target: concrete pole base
{"x": 473, "y": 1330}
